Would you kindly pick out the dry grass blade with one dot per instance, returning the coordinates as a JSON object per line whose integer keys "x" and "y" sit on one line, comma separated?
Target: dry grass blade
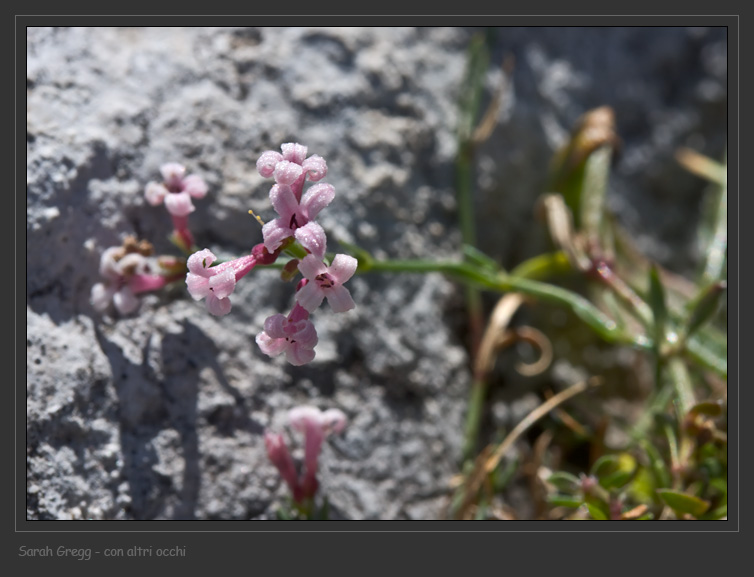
{"x": 701, "y": 165}
{"x": 567, "y": 419}
{"x": 540, "y": 341}
{"x": 489, "y": 458}
{"x": 560, "y": 224}
{"x": 634, "y": 513}
{"x": 488, "y": 122}
{"x": 500, "y": 318}
{"x": 494, "y": 460}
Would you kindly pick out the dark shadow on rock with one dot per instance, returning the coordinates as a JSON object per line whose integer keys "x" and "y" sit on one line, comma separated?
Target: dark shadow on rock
{"x": 196, "y": 350}
{"x": 150, "y": 404}
{"x": 57, "y": 274}
{"x": 141, "y": 415}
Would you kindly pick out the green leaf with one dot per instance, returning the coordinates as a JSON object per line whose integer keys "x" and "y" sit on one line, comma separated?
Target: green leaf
{"x": 657, "y": 304}
{"x": 616, "y": 480}
{"x": 658, "y": 465}
{"x": 717, "y": 513}
{"x": 704, "y": 306}
{"x": 564, "y": 481}
{"x": 614, "y": 471}
{"x": 598, "y": 511}
{"x": 559, "y": 500}
{"x": 683, "y": 502}
{"x": 543, "y": 266}
{"x": 705, "y": 350}
{"x": 684, "y": 388}
{"x": 642, "y": 488}
{"x": 604, "y": 465}
{"x": 592, "y": 203}
{"x": 579, "y": 170}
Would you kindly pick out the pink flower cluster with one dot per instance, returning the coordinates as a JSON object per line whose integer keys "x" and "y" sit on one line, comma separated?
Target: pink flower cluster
{"x": 293, "y": 335}
{"x": 217, "y": 283}
{"x": 316, "y": 425}
{"x": 127, "y": 271}
{"x": 176, "y": 191}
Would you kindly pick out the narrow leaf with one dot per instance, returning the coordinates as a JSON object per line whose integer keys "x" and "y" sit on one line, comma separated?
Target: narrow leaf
{"x": 659, "y": 468}
{"x": 658, "y": 306}
{"x": 597, "y": 512}
{"x": 559, "y": 500}
{"x": 564, "y": 481}
{"x": 616, "y": 480}
{"x": 704, "y": 306}
{"x": 604, "y": 465}
{"x": 683, "y": 502}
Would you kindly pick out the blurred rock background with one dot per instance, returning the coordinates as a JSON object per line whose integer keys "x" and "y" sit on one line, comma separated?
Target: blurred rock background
{"x": 159, "y": 415}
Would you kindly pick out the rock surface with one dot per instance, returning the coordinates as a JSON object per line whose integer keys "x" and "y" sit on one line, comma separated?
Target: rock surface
{"x": 160, "y": 414}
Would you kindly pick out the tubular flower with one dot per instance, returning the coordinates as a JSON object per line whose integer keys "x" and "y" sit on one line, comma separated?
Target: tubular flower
{"x": 296, "y": 219}
{"x": 324, "y": 281}
{"x": 127, "y": 271}
{"x": 176, "y": 190}
{"x": 292, "y": 167}
{"x": 294, "y": 335}
{"x": 217, "y": 283}
{"x": 315, "y": 425}
{"x": 280, "y": 456}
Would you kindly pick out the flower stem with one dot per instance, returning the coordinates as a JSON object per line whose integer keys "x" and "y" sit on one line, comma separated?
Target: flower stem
{"x": 502, "y": 282}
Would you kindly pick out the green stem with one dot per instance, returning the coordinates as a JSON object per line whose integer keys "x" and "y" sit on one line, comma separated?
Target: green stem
{"x": 656, "y": 404}
{"x": 501, "y": 282}
{"x": 684, "y": 391}
{"x": 474, "y": 417}
{"x": 703, "y": 356}
{"x": 464, "y": 180}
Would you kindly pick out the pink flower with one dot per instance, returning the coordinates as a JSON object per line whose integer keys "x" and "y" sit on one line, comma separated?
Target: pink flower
{"x": 292, "y": 167}
{"x": 294, "y": 152}
{"x": 295, "y": 336}
{"x": 315, "y": 425}
{"x": 176, "y": 190}
{"x": 267, "y": 162}
{"x": 126, "y": 275}
{"x": 296, "y": 218}
{"x": 217, "y": 283}
{"x": 324, "y": 281}
{"x": 278, "y": 453}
